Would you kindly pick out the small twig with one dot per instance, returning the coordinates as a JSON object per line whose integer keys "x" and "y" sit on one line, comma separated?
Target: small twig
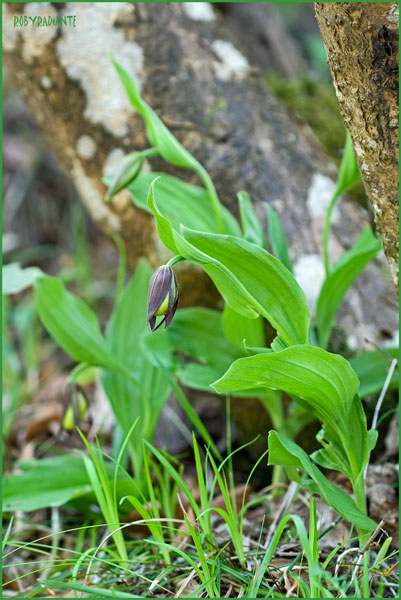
{"x": 379, "y": 404}
{"x": 340, "y": 558}
{"x": 383, "y": 393}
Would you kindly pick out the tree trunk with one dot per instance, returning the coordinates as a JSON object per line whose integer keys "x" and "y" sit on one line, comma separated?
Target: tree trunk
{"x": 192, "y": 74}
{"x": 361, "y": 40}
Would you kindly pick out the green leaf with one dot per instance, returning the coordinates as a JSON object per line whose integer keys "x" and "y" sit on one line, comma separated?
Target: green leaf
{"x": 278, "y": 344}
{"x": 124, "y": 333}
{"x": 348, "y": 174}
{"x": 72, "y": 324}
{"x": 251, "y": 226}
{"x": 182, "y": 203}
{"x": 238, "y": 328}
{"x": 328, "y": 458}
{"x": 50, "y": 481}
{"x": 283, "y": 451}
{"x": 326, "y": 382}
{"x": 163, "y": 226}
{"x": 347, "y": 177}
{"x": 197, "y": 376}
{"x": 198, "y": 332}
{"x": 252, "y": 281}
{"x": 340, "y": 278}
{"x": 158, "y": 134}
{"x": 372, "y": 368}
{"x": 15, "y": 279}
{"x": 277, "y": 238}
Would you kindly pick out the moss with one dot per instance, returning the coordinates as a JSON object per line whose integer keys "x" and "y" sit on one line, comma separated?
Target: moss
{"x": 315, "y": 102}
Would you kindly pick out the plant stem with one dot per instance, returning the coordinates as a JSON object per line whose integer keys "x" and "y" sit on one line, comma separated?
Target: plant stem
{"x": 176, "y": 259}
{"x": 150, "y": 152}
{"x": 358, "y": 487}
{"x": 204, "y": 175}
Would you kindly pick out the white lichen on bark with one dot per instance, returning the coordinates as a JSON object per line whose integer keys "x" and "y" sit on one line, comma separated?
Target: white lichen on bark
{"x": 199, "y": 11}
{"x": 309, "y": 273}
{"x": 86, "y": 146}
{"x": 231, "y": 64}
{"x": 86, "y": 59}
{"x": 319, "y": 197}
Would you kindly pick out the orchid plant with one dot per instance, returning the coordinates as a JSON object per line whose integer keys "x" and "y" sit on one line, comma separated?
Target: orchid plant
{"x": 231, "y": 357}
{"x": 255, "y": 285}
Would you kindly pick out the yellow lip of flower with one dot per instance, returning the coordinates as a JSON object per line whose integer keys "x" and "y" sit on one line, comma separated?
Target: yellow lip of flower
{"x": 163, "y": 307}
{"x": 163, "y": 297}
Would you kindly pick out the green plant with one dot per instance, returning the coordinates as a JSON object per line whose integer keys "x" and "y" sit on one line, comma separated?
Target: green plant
{"x": 239, "y": 265}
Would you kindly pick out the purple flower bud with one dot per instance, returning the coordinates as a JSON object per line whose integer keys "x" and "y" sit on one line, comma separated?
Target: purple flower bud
{"x": 163, "y": 297}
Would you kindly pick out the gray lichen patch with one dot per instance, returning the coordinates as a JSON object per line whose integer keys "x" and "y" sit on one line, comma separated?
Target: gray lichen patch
{"x": 231, "y": 64}
{"x": 199, "y": 11}
{"x": 86, "y": 60}
{"x": 319, "y": 197}
{"x": 37, "y": 38}
{"x": 10, "y": 33}
{"x": 86, "y": 146}
{"x": 46, "y": 82}
{"x": 309, "y": 273}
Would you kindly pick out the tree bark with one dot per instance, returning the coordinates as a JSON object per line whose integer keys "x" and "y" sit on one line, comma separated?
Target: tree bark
{"x": 192, "y": 74}
{"x": 361, "y": 40}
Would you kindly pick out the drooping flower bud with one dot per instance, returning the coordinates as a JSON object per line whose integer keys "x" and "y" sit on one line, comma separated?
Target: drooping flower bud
{"x": 163, "y": 297}
{"x": 75, "y": 409}
{"x": 130, "y": 168}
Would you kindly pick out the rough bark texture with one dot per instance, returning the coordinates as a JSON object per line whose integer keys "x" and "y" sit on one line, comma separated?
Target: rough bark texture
{"x": 361, "y": 40}
{"x": 192, "y": 74}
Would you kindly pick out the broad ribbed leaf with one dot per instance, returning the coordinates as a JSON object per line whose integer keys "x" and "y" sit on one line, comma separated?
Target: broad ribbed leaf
{"x": 325, "y": 381}
{"x": 252, "y": 281}
{"x": 283, "y": 451}
{"x": 341, "y": 276}
{"x": 50, "y": 482}
{"x": 72, "y": 324}
{"x": 241, "y": 331}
